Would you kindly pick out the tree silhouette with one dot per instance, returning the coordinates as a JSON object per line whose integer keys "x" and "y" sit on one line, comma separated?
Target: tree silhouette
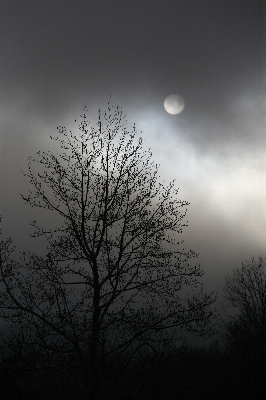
{"x": 245, "y": 334}
{"x": 113, "y": 277}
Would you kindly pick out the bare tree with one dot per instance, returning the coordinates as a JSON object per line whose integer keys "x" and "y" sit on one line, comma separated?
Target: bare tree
{"x": 246, "y": 291}
{"x": 114, "y": 275}
{"x": 245, "y": 331}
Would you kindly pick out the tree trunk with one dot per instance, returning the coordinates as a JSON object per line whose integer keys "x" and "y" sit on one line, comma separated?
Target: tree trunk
{"x": 94, "y": 342}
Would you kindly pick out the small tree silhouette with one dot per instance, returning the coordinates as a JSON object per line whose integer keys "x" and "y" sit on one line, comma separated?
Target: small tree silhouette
{"x": 113, "y": 276}
{"x": 245, "y": 334}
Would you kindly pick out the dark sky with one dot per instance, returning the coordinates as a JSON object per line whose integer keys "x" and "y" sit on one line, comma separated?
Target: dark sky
{"x": 57, "y": 56}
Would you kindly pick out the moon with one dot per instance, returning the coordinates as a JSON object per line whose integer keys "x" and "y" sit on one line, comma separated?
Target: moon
{"x": 174, "y": 104}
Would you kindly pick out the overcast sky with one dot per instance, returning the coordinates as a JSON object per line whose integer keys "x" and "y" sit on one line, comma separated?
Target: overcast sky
{"x": 57, "y": 56}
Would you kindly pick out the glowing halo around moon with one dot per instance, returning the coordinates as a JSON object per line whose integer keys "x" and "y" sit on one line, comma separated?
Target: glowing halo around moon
{"x": 174, "y": 104}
